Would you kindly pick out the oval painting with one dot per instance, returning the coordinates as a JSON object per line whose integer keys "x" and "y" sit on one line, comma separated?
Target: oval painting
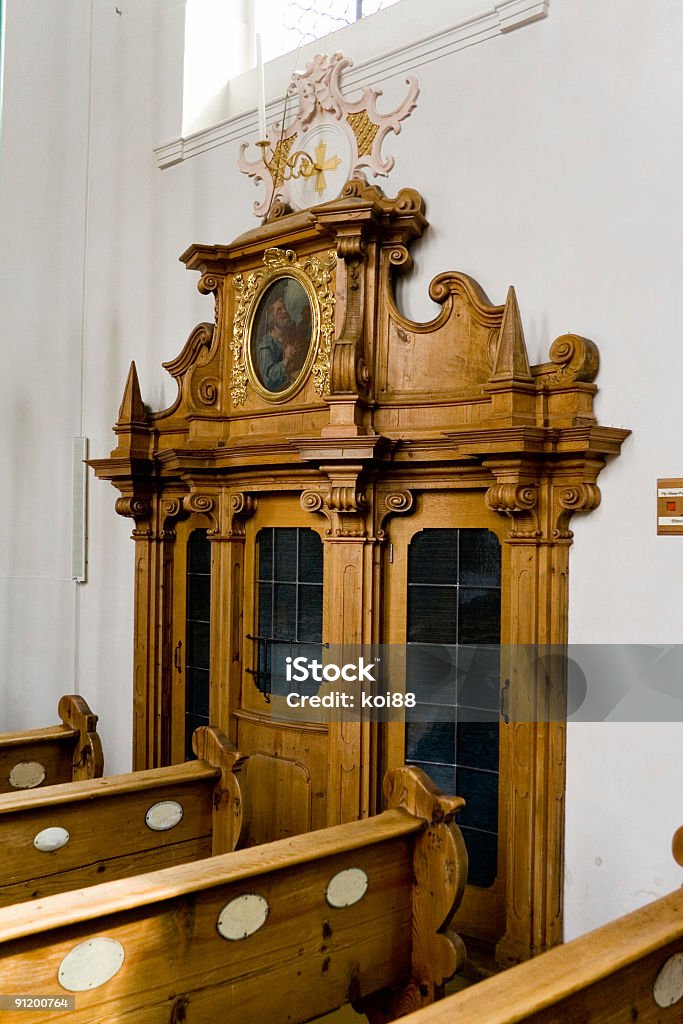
{"x": 281, "y": 336}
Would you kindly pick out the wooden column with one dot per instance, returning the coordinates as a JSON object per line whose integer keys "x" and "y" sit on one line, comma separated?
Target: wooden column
{"x": 227, "y": 593}
{"x": 533, "y": 748}
{"x": 154, "y": 538}
{"x": 348, "y": 621}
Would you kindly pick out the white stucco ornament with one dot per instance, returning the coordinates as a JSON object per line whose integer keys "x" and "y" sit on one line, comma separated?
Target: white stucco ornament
{"x": 307, "y": 160}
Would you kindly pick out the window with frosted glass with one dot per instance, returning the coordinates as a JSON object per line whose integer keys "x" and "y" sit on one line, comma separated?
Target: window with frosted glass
{"x": 453, "y": 633}
{"x": 290, "y": 604}
{"x": 197, "y": 630}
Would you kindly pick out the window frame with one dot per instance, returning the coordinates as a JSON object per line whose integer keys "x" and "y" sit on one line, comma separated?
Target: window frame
{"x": 482, "y": 913}
{"x": 412, "y": 34}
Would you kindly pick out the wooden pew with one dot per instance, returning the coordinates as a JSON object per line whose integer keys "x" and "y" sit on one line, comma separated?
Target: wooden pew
{"x": 283, "y": 932}
{"x": 68, "y": 752}
{"x": 122, "y": 824}
{"x": 630, "y": 970}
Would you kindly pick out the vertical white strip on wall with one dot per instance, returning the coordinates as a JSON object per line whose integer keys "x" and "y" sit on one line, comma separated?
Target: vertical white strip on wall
{"x": 79, "y": 552}
{"x": 3, "y": 20}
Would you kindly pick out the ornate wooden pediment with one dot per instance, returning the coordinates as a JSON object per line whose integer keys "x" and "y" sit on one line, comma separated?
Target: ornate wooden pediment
{"x": 458, "y": 387}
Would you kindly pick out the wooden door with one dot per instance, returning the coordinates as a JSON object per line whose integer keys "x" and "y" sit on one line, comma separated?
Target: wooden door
{"x": 282, "y": 616}
{"x": 189, "y": 675}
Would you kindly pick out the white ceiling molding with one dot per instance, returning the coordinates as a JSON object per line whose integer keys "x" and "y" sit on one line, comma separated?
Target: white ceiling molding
{"x": 490, "y": 21}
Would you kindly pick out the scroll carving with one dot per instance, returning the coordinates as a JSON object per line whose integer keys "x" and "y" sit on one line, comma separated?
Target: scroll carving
{"x": 172, "y": 508}
{"x": 133, "y": 508}
{"x": 408, "y": 201}
{"x": 343, "y": 503}
{"x": 209, "y": 390}
{"x": 581, "y": 497}
{"x": 196, "y": 354}
{"x": 199, "y": 341}
{"x": 576, "y": 358}
{"x": 349, "y": 371}
{"x": 242, "y": 506}
{"x": 199, "y": 503}
{"x": 518, "y": 501}
{"x": 202, "y": 504}
{"x": 391, "y": 504}
{"x": 208, "y": 284}
{"x": 440, "y": 865}
{"x": 311, "y": 501}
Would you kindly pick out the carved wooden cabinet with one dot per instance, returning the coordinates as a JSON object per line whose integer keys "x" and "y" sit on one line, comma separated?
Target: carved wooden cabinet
{"x": 313, "y": 417}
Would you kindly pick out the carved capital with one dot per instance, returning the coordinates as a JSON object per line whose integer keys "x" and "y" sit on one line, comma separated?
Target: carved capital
{"x": 344, "y": 503}
{"x": 171, "y": 509}
{"x": 519, "y": 501}
{"x": 140, "y": 510}
{"x": 207, "y": 284}
{"x": 242, "y": 506}
{"x": 345, "y": 498}
{"x": 203, "y": 503}
{"x": 350, "y": 247}
{"x": 571, "y": 498}
{"x": 133, "y": 508}
{"x": 394, "y": 503}
{"x": 311, "y": 501}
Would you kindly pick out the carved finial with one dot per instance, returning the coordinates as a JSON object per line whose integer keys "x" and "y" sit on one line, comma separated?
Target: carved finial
{"x": 132, "y": 407}
{"x": 512, "y": 361}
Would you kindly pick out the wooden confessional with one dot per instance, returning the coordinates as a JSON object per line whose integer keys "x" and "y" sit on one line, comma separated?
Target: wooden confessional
{"x": 324, "y": 480}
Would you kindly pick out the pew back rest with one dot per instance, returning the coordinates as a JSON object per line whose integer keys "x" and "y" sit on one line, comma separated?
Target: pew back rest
{"x": 68, "y": 752}
{"x": 69, "y": 836}
{"x": 629, "y": 970}
{"x": 285, "y": 931}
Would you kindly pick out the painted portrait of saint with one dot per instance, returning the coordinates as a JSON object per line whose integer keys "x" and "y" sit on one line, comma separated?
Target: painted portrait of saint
{"x": 280, "y": 338}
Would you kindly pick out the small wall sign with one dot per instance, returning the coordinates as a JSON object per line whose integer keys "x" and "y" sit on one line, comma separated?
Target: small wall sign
{"x": 670, "y": 506}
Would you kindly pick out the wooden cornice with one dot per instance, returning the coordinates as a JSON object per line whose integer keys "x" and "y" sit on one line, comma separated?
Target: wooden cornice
{"x": 361, "y": 206}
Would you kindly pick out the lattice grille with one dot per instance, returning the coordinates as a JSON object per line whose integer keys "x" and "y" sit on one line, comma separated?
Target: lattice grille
{"x": 293, "y": 23}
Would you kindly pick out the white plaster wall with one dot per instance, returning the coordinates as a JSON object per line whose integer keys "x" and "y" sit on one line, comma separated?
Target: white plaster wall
{"x": 549, "y": 158}
{"x": 42, "y": 207}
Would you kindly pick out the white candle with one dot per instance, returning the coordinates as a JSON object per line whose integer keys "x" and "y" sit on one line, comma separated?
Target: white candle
{"x": 261, "y": 90}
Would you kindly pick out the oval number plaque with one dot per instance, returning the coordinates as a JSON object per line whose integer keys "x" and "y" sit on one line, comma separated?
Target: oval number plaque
{"x": 50, "y": 839}
{"x": 27, "y": 775}
{"x": 346, "y": 887}
{"x": 164, "y": 815}
{"x": 242, "y": 916}
{"x": 668, "y": 988}
{"x": 90, "y": 964}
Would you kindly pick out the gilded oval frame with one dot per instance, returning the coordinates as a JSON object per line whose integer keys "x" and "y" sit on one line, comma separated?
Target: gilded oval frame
{"x": 269, "y": 284}
{"x": 314, "y": 276}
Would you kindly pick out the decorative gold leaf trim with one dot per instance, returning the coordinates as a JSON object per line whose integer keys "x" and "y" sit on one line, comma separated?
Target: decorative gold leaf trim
{"x": 364, "y": 129}
{"x": 315, "y": 276}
